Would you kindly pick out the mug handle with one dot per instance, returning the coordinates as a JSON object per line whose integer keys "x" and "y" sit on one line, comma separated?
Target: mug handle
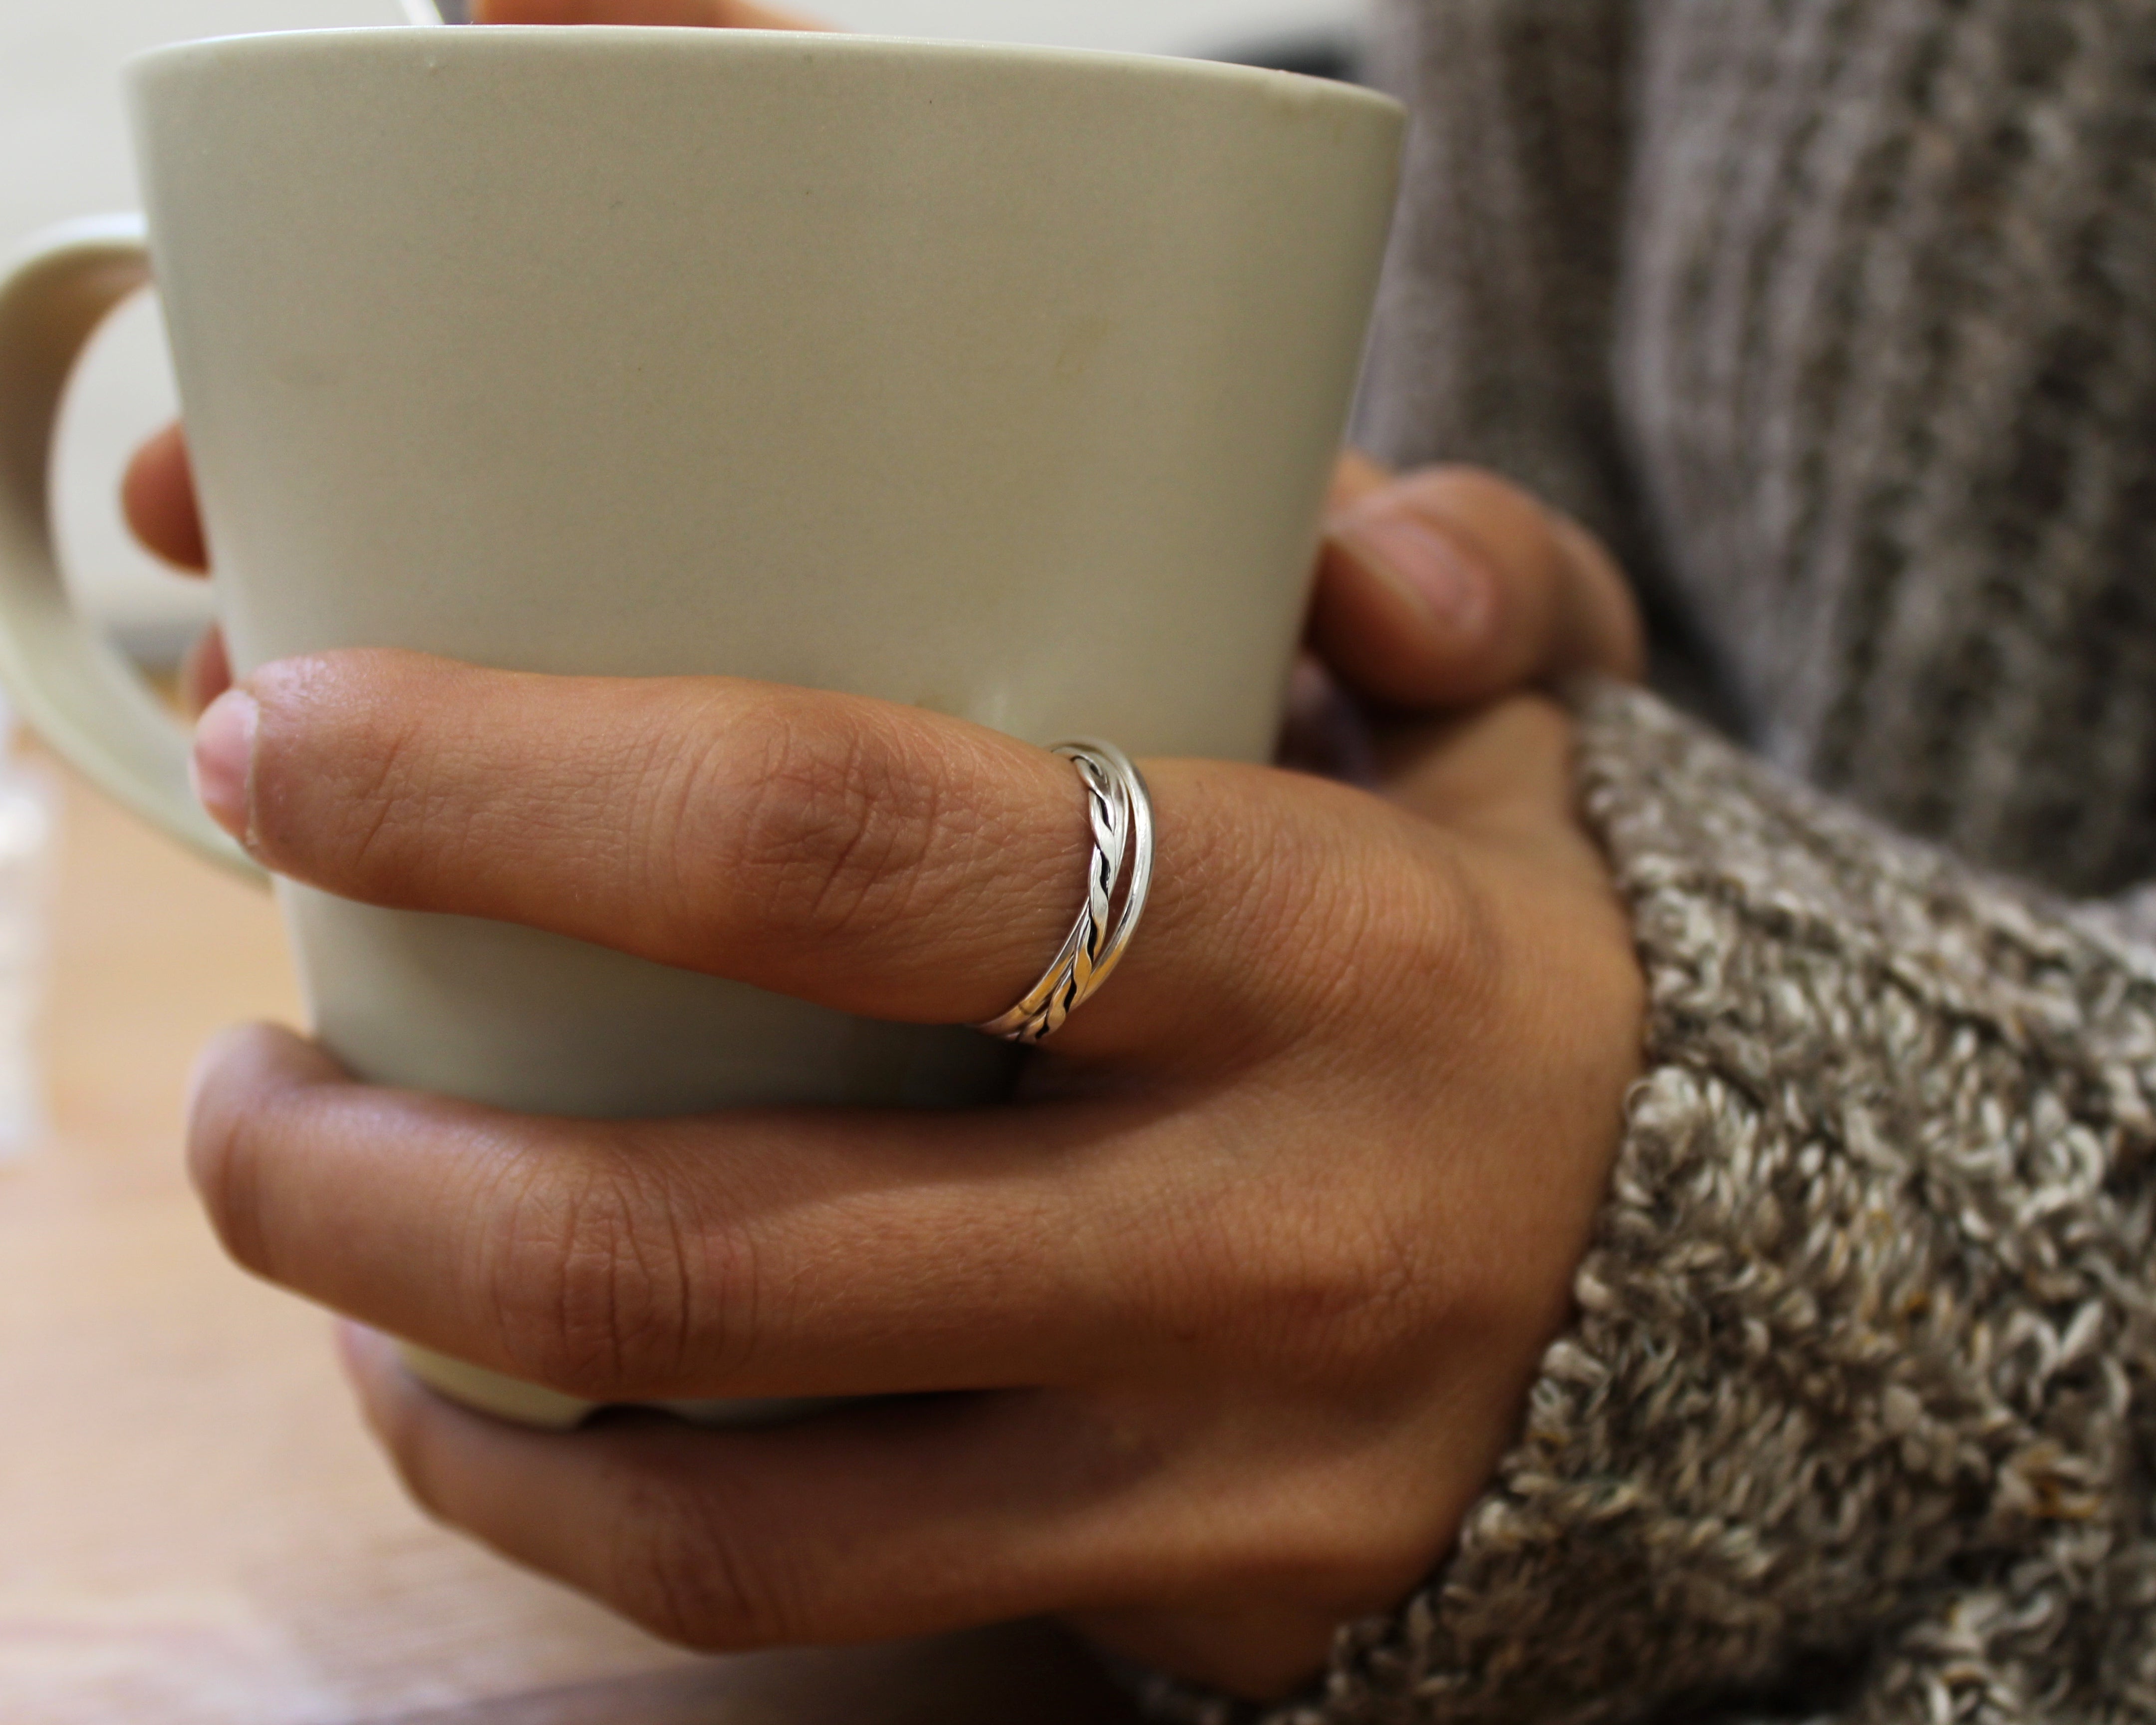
{"x": 77, "y": 690}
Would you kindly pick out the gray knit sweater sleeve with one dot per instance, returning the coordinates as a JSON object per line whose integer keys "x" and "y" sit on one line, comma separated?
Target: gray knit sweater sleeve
{"x": 1854, "y": 1419}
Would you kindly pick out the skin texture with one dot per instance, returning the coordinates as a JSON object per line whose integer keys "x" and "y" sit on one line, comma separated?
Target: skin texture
{"x": 1216, "y": 1330}
{"x": 1220, "y": 1326}
{"x": 1206, "y": 1342}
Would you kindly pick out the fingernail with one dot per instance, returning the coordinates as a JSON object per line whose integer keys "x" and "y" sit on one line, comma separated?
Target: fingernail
{"x": 1425, "y": 564}
{"x": 225, "y": 745}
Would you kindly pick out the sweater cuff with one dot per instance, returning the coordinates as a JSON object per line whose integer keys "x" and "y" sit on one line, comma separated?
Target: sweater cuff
{"x": 1844, "y": 1414}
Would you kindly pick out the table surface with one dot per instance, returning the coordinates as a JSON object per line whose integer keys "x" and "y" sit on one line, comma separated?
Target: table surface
{"x": 195, "y": 1528}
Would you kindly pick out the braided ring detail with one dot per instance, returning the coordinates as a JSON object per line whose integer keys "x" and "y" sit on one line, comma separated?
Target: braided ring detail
{"x": 1119, "y": 811}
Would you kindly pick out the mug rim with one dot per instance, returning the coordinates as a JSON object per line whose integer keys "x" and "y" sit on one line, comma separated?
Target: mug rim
{"x": 501, "y": 40}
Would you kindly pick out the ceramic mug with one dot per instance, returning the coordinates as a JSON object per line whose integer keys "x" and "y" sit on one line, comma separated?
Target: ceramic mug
{"x": 1000, "y": 381}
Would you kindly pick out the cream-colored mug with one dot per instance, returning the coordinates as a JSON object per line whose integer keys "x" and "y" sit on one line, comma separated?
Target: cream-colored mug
{"x": 1000, "y": 381}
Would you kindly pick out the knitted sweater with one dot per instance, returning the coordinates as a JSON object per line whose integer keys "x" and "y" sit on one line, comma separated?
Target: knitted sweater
{"x": 1839, "y": 318}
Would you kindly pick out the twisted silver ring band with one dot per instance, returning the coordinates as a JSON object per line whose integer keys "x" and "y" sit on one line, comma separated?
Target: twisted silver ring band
{"x": 1117, "y": 880}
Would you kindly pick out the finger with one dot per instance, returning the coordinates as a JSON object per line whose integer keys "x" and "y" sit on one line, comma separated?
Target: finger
{"x": 889, "y": 1520}
{"x": 1164, "y": 1535}
{"x": 717, "y": 14}
{"x": 895, "y": 1520}
{"x": 768, "y": 1252}
{"x": 157, "y": 495}
{"x": 1449, "y": 587}
{"x": 206, "y": 672}
{"x": 878, "y": 859}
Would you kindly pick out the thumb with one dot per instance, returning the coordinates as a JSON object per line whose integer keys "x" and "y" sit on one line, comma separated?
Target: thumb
{"x": 1448, "y": 587}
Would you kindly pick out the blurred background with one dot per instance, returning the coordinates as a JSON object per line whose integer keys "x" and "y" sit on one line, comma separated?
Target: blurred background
{"x": 64, "y": 152}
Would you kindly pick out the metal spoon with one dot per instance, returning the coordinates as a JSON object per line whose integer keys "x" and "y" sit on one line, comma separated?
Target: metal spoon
{"x": 427, "y": 12}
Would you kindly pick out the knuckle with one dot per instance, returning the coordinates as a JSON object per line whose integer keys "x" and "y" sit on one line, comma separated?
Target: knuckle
{"x": 1430, "y": 926}
{"x": 1269, "y": 881}
{"x": 684, "y": 1568}
{"x": 588, "y": 1283}
{"x": 1372, "y": 927}
{"x": 378, "y": 802}
{"x": 1336, "y": 1296}
{"x": 341, "y": 777}
{"x": 829, "y": 833}
{"x": 796, "y": 820}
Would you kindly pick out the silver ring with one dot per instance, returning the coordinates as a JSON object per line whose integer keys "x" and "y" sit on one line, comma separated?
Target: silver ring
{"x": 1117, "y": 880}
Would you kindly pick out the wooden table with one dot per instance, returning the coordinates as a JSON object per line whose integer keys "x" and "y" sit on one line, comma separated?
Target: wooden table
{"x": 192, "y": 1527}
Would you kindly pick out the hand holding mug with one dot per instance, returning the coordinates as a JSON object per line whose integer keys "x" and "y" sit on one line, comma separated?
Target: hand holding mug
{"x": 1221, "y": 1327}
{"x": 1204, "y": 1342}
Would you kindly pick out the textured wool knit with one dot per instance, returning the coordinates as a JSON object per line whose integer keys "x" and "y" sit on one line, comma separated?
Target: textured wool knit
{"x": 1839, "y": 318}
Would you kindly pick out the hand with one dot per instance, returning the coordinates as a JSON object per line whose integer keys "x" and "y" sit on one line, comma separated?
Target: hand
{"x": 1291, "y": 1278}
{"x": 1204, "y": 1344}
